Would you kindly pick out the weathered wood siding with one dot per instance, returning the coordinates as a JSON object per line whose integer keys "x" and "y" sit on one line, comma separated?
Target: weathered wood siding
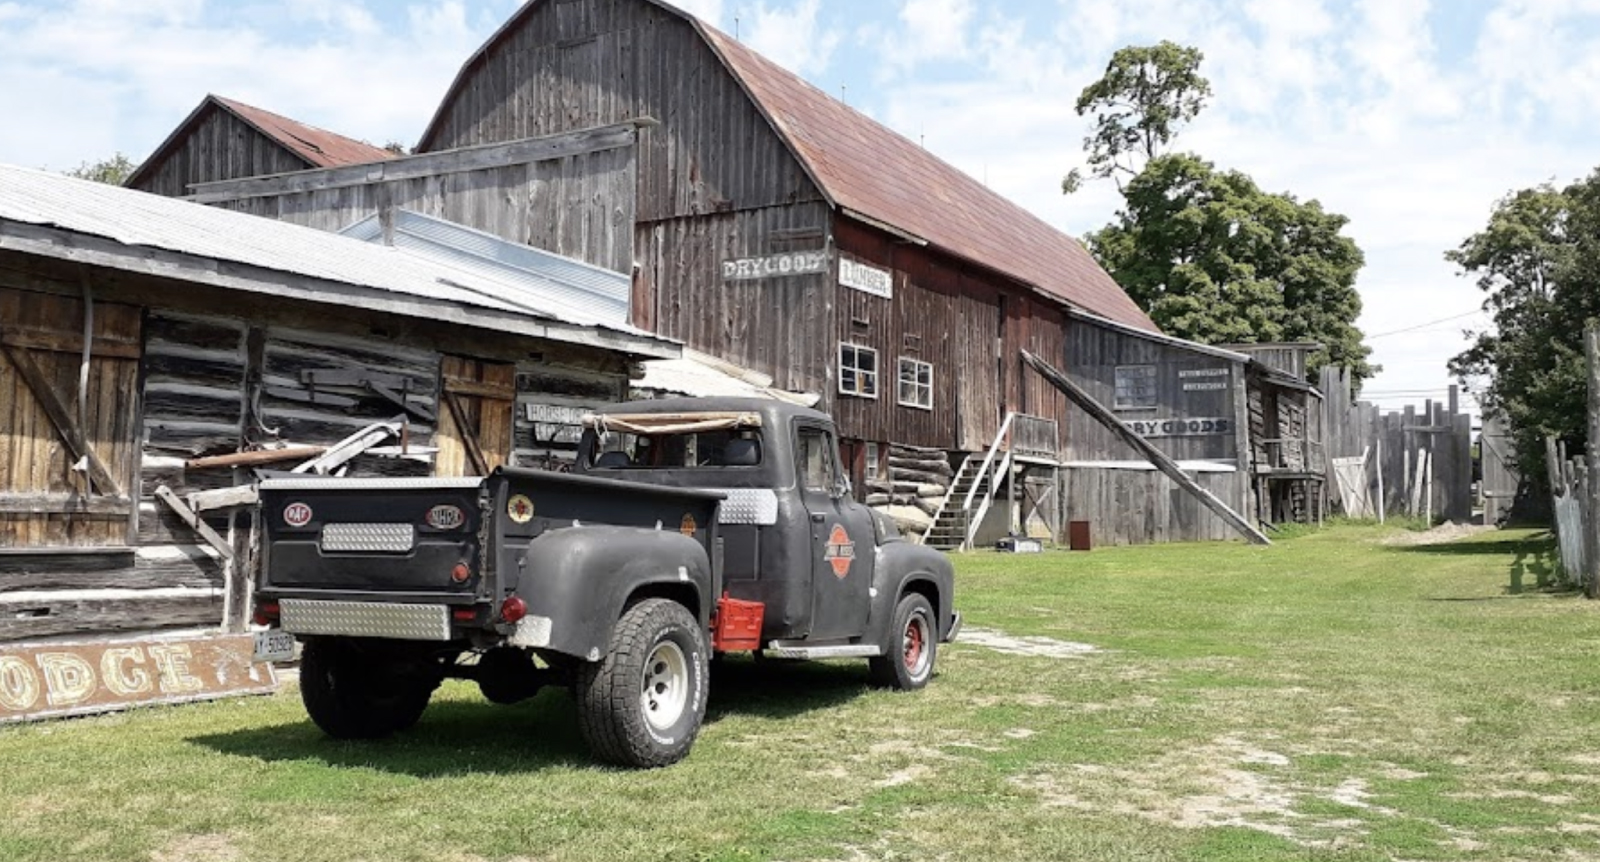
{"x": 580, "y": 206}
{"x": 575, "y": 64}
{"x": 1093, "y": 355}
{"x": 222, "y": 147}
{"x": 1137, "y": 507}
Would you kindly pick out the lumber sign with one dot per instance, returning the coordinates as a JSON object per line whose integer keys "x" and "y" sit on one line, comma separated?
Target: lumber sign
{"x": 50, "y": 680}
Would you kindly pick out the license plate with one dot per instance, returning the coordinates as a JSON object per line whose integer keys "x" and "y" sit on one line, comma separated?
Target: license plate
{"x": 274, "y": 646}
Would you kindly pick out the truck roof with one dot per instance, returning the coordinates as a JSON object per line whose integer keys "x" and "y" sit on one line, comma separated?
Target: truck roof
{"x": 773, "y": 413}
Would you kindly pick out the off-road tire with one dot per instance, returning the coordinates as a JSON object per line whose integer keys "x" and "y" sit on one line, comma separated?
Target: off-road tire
{"x": 658, "y": 659}
{"x": 507, "y": 676}
{"x": 352, "y": 696}
{"x": 913, "y": 645}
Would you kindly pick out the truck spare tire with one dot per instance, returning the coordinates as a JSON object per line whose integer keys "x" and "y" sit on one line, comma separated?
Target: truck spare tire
{"x": 353, "y": 695}
{"x": 642, "y": 704}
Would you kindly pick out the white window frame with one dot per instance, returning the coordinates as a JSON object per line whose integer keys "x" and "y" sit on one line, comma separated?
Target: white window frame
{"x": 874, "y": 465}
{"x": 919, "y": 387}
{"x": 857, "y": 372}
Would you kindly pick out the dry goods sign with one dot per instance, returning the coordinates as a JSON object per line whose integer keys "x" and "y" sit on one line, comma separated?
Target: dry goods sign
{"x": 1179, "y": 427}
{"x": 44, "y": 680}
{"x": 775, "y": 266}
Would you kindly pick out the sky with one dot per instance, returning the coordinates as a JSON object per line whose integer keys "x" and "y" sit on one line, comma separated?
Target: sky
{"x": 1410, "y": 117}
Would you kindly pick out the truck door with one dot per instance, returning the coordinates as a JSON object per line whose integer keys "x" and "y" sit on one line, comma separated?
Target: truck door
{"x": 842, "y": 540}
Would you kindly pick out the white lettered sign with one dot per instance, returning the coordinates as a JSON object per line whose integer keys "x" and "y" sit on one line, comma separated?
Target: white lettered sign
{"x": 867, "y": 279}
{"x": 775, "y": 266}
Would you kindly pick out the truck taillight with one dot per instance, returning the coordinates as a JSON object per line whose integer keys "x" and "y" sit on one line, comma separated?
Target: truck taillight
{"x": 266, "y": 613}
{"x": 513, "y": 609}
{"x": 461, "y": 573}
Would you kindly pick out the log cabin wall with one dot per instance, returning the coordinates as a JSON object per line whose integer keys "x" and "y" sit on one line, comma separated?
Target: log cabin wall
{"x": 182, "y": 371}
{"x": 221, "y": 146}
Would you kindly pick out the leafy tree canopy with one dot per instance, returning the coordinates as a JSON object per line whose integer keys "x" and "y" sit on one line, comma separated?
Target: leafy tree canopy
{"x": 1146, "y": 94}
{"x": 1212, "y": 258}
{"x": 1538, "y": 262}
{"x": 113, "y": 171}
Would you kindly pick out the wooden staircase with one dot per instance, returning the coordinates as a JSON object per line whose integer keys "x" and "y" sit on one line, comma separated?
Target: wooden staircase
{"x": 970, "y": 496}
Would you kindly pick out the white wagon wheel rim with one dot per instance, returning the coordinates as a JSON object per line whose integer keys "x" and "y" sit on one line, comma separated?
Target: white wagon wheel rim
{"x": 666, "y": 686}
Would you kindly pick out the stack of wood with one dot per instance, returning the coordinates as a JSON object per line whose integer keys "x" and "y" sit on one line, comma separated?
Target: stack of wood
{"x": 917, "y": 482}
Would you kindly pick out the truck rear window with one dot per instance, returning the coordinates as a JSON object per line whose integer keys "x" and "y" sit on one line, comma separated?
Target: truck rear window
{"x": 624, "y": 451}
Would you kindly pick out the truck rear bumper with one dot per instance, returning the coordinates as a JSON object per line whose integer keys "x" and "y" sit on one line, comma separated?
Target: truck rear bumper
{"x": 413, "y": 622}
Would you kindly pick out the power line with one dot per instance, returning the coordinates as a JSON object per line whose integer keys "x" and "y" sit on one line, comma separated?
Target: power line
{"x": 1425, "y": 325}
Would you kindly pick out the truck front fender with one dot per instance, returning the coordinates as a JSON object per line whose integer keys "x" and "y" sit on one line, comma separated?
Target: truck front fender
{"x": 906, "y": 567}
{"x": 578, "y": 581}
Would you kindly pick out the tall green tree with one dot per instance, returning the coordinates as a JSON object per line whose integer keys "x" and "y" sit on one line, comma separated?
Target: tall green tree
{"x": 1145, "y": 95}
{"x": 1538, "y": 262}
{"x": 1213, "y": 258}
{"x": 113, "y": 171}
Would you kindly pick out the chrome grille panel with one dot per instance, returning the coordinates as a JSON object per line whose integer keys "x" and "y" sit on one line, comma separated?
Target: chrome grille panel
{"x": 368, "y": 538}
{"x": 365, "y": 619}
{"x": 758, "y": 506}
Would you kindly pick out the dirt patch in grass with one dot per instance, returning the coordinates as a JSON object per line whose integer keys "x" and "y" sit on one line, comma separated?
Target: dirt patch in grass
{"x": 1041, "y": 647}
{"x": 1438, "y": 535}
{"x": 198, "y": 848}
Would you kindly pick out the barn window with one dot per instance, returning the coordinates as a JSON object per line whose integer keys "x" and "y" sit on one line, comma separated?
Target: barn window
{"x": 916, "y": 383}
{"x": 1135, "y": 387}
{"x": 872, "y": 461}
{"x": 858, "y": 371}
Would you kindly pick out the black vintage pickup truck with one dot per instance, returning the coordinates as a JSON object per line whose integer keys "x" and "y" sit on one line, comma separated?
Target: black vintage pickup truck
{"x": 689, "y": 527}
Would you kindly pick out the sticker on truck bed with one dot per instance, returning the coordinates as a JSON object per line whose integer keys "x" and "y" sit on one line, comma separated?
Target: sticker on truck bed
{"x": 841, "y": 552}
{"x": 687, "y": 526}
{"x": 520, "y": 509}
{"x": 297, "y": 514}
{"x": 446, "y": 517}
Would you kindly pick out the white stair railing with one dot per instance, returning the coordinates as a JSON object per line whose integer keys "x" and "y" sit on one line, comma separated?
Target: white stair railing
{"x": 944, "y": 505}
{"x": 1001, "y": 469}
{"x": 984, "y": 480}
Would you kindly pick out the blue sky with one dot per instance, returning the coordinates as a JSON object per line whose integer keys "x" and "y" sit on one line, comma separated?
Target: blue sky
{"x": 1409, "y": 116}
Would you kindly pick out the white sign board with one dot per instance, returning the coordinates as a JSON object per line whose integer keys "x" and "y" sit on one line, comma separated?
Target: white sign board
{"x": 775, "y": 266}
{"x": 1179, "y": 427}
{"x": 867, "y": 279}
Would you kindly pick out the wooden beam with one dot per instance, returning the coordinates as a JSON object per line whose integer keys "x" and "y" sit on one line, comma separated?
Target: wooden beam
{"x": 58, "y": 342}
{"x": 469, "y": 438}
{"x": 165, "y": 495}
{"x": 224, "y": 498}
{"x": 63, "y": 504}
{"x": 1162, "y": 462}
{"x": 35, "y": 378}
{"x": 421, "y": 165}
{"x": 1591, "y": 529}
{"x": 255, "y": 459}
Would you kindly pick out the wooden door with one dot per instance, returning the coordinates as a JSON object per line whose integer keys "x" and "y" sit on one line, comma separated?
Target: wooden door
{"x": 68, "y": 429}
{"x": 475, "y": 416}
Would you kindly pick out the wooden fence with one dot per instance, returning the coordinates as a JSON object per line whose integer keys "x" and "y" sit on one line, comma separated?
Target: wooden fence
{"x": 1573, "y": 504}
{"x": 1416, "y": 462}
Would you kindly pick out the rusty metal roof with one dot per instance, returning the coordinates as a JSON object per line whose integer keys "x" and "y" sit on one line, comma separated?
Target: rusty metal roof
{"x": 319, "y": 148}
{"x": 868, "y": 169}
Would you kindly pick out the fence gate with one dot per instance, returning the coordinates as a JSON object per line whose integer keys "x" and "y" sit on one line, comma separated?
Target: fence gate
{"x": 1500, "y": 476}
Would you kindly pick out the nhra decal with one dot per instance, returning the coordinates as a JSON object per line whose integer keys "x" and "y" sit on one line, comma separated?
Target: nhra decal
{"x": 520, "y": 509}
{"x": 841, "y": 552}
{"x": 445, "y": 517}
{"x": 688, "y": 526}
{"x": 297, "y": 514}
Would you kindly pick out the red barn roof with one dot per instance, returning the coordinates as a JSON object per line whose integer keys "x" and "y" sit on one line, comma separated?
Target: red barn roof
{"x": 318, "y": 148}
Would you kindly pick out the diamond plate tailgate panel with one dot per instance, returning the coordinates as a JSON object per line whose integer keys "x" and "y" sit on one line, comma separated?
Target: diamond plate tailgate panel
{"x": 366, "y": 619}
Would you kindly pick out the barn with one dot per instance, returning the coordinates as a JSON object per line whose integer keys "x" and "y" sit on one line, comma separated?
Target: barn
{"x": 153, "y": 352}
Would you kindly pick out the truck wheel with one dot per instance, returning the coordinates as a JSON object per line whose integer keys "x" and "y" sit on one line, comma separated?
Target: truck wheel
{"x": 642, "y": 704}
{"x": 907, "y": 662}
{"x": 352, "y": 698}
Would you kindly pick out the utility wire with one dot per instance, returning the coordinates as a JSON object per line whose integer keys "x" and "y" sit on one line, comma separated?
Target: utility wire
{"x": 1425, "y": 325}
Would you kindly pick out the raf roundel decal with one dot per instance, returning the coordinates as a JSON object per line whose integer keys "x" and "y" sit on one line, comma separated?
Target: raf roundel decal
{"x": 446, "y": 517}
{"x": 297, "y": 514}
{"x": 687, "y": 527}
{"x": 520, "y": 509}
{"x": 841, "y": 552}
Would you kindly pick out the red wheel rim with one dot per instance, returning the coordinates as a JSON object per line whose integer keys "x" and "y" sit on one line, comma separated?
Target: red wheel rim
{"x": 914, "y": 643}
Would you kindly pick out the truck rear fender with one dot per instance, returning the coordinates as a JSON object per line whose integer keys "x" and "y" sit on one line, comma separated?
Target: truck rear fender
{"x": 903, "y": 567}
{"x": 582, "y": 579}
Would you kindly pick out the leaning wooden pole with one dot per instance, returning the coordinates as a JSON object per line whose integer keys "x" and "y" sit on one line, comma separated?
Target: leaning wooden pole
{"x": 1591, "y": 527}
{"x": 1105, "y": 417}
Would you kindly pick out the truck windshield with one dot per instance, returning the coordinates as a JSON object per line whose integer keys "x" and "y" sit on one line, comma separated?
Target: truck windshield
{"x": 624, "y": 451}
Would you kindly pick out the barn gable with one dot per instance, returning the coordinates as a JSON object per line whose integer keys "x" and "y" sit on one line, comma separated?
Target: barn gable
{"x": 223, "y": 139}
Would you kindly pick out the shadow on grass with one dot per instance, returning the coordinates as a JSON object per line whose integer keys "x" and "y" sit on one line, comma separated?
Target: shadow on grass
{"x": 1535, "y": 561}
{"x": 458, "y": 737}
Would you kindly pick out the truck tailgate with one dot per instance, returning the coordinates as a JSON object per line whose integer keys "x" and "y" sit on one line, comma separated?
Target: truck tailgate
{"x": 374, "y": 539}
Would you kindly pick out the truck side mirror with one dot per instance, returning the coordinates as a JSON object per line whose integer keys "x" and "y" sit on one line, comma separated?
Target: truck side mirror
{"x": 841, "y": 489}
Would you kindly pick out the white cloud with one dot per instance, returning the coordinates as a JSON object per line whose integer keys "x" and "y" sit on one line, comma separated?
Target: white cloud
{"x": 928, "y": 30}
{"x": 792, "y": 37}
{"x": 709, "y": 11}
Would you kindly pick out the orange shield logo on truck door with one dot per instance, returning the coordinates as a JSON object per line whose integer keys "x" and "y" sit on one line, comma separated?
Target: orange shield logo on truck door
{"x": 841, "y": 552}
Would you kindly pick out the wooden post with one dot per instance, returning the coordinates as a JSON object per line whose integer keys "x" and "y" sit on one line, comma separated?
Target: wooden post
{"x": 1379, "y": 463}
{"x": 1591, "y": 532}
{"x": 1105, "y": 417}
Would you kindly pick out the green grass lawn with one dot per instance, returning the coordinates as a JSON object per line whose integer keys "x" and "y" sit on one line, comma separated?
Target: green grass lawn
{"x": 1330, "y": 697}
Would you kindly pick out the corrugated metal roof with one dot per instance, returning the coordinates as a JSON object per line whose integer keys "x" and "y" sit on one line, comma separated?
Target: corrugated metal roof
{"x": 867, "y": 167}
{"x": 698, "y": 375}
{"x": 137, "y": 219}
{"x": 540, "y": 278}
